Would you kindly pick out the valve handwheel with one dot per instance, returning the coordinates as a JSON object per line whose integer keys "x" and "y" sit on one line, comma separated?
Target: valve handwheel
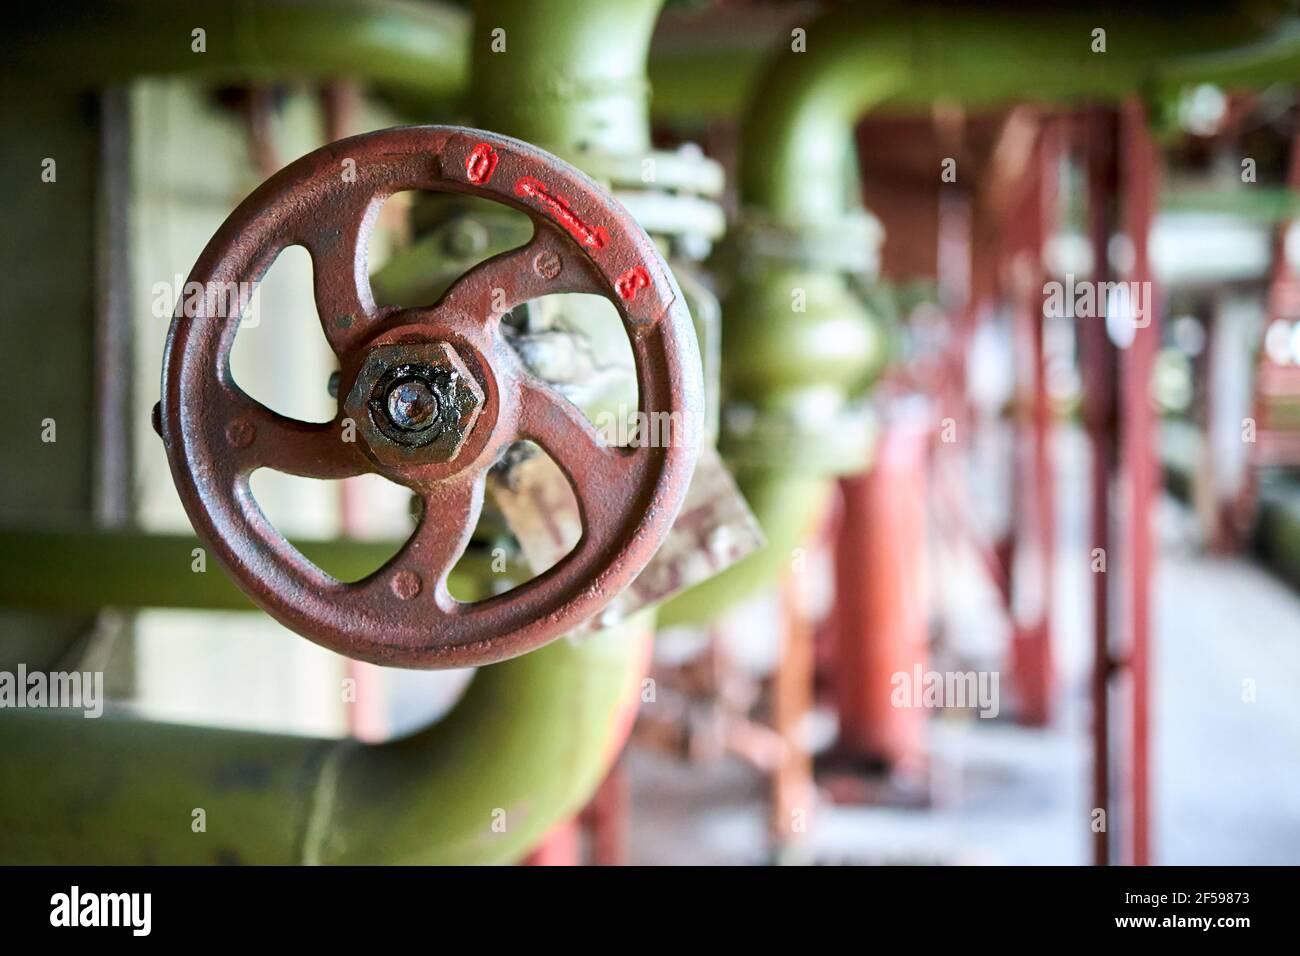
{"x": 432, "y": 396}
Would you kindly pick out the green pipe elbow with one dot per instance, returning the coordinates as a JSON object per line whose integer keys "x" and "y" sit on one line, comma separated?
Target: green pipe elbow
{"x": 788, "y": 506}
{"x": 524, "y": 747}
{"x": 531, "y": 738}
{"x": 798, "y": 126}
{"x": 568, "y": 75}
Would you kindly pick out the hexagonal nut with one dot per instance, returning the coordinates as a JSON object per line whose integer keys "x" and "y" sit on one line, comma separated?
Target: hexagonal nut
{"x": 440, "y": 366}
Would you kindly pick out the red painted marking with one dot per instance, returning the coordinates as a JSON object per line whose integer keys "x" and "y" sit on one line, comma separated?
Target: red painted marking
{"x": 630, "y": 281}
{"x": 480, "y": 164}
{"x": 560, "y": 209}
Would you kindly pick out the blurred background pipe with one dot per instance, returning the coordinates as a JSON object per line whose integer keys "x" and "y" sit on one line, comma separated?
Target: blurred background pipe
{"x": 806, "y": 366}
{"x": 418, "y": 51}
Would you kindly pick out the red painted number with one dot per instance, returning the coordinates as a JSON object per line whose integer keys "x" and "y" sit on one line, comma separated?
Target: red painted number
{"x": 594, "y": 238}
{"x": 480, "y": 164}
{"x": 630, "y": 281}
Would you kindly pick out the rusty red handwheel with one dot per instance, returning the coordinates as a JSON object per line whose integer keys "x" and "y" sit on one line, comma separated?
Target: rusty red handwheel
{"x": 434, "y": 395}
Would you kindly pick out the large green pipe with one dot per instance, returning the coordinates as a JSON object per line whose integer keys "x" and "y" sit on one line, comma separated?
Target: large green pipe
{"x": 700, "y": 68}
{"x": 568, "y": 75}
{"x": 524, "y": 747}
{"x": 796, "y": 170}
{"x": 417, "y": 50}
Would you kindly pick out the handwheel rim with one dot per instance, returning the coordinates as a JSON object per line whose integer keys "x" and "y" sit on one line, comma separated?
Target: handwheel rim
{"x": 213, "y": 432}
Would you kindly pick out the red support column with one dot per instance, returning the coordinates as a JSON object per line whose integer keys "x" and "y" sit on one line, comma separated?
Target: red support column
{"x": 1034, "y": 522}
{"x": 1138, "y": 437}
{"x": 880, "y": 612}
{"x": 607, "y": 819}
{"x": 562, "y": 846}
{"x": 793, "y": 792}
{"x": 604, "y": 823}
{"x": 1098, "y": 359}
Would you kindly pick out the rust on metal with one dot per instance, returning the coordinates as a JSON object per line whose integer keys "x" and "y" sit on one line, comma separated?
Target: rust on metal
{"x": 436, "y": 396}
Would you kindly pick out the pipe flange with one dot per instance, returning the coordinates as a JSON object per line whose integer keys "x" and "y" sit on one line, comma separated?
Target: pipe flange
{"x": 850, "y": 243}
{"x": 839, "y": 443}
{"x": 683, "y": 170}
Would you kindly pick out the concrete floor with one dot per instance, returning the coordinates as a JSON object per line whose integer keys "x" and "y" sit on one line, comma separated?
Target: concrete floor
{"x": 1226, "y": 786}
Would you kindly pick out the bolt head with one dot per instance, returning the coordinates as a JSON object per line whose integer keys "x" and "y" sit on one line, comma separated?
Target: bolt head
{"x": 240, "y": 433}
{"x": 414, "y": 403}
{"x": 547, "y": 264}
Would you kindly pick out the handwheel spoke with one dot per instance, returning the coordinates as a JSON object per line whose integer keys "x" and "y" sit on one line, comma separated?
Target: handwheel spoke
{"x": 603, "y": 477}
{"x": 422, "y": 567}
{"x": 258, "y": 437}
{"x": 340, "y": 275}
{"x": 546, "y": 265}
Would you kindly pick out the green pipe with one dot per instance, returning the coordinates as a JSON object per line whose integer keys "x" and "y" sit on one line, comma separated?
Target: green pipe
{"x": 1278, "y": 530}
{"x": 704, "y": 67}
{"x": 524, "y": 747}
{"x": 137, "y": 569}
{"x": 704, "y": 62}
{"x": 1273, "y": 58}
{"x": 567, "y": 75}
{"x": 416, "y": 50}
